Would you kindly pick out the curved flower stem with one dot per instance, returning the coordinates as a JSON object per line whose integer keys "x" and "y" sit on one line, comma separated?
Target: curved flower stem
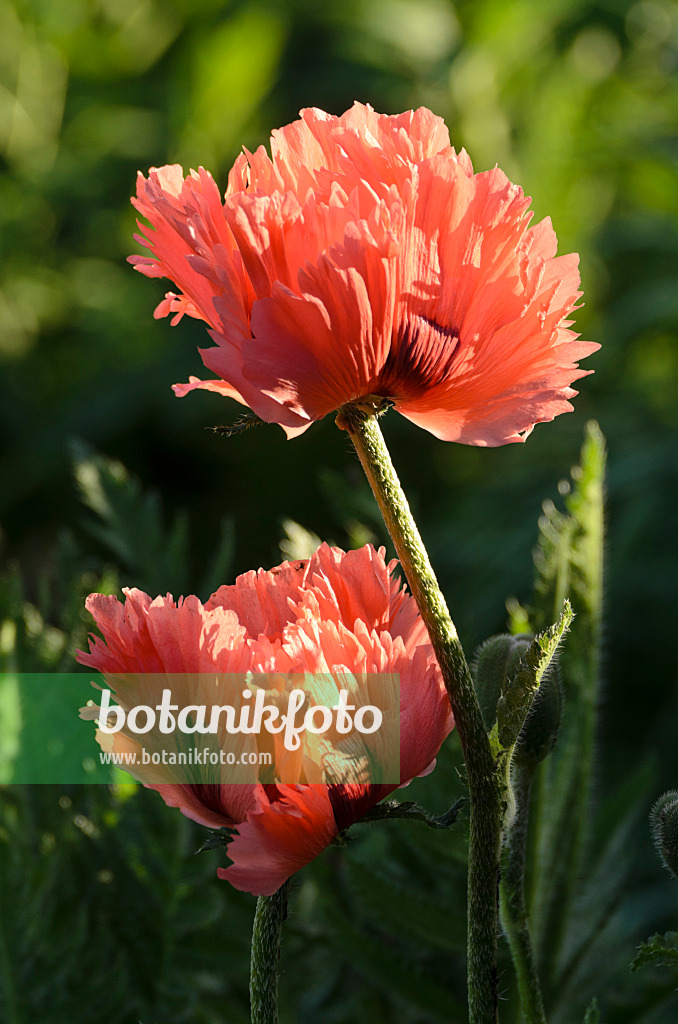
{"x": 512, "y": 902}
{"x": 268, "y": 918}
{"x": 485, "y": 785}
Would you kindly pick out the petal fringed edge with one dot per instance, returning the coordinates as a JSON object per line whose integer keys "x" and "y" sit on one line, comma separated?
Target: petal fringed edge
{"x": 279, "y": 837}
{"x": 220, "y": 387}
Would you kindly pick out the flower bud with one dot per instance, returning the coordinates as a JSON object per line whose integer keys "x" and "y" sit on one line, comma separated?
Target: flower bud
{"x": 495, "y": 663}
{"x": 664, "y": 822}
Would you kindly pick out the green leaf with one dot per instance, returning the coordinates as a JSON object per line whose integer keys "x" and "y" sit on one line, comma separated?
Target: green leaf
{"x": 399, "y": 907}
{"x": 220, "y": 567}
{"x": 298, "y": 542}
{"x": 516, "y": 701}
{"x": 130, "y": 524}
{"x": 44, "y": 636}
{"x": 595, "y": 940}
{"x": 395, "y": 974}
{"x": 104, "y": 908}
{"x": 592, "y": 1013}
{"x": 569, "y": 563}
{"x": 658, "y": 951}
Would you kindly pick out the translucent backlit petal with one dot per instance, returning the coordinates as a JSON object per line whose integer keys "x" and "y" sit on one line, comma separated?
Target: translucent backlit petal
{"x": 364, "y": 257}
{"x": 338, "y": 615}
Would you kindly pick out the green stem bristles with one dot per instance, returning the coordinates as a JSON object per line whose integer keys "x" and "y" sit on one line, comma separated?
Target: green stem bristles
{"x": 485, "y": 786}
{"x": 268, "y": 919}
{"x": 512, "y": 901}
{"x": 245, "y": 422}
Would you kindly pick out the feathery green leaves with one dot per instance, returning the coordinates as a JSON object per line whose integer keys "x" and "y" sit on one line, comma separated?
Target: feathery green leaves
{"x": 658, "y": 951}
{"x": 516, "y": 700}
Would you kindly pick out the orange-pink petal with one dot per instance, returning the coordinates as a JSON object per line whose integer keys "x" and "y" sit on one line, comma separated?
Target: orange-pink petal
{"x": 279, "y": 837}
{"x": 364, "y": 257}
{"x": 337, "y": 612}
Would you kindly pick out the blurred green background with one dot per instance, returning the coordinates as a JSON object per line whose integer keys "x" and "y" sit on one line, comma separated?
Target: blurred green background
{"x": 578, "y": 102}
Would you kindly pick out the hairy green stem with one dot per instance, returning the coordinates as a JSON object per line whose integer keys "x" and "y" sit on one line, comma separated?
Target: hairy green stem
{"x": 268, "y": 918}
{"x": 485, "y": 785}
{"x": 512, "y": 901}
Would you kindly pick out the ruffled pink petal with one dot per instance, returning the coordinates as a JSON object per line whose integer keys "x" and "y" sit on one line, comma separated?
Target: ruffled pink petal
{"x": 363, "y": 256}
{"x": 356, "y": 586}
{"x": 337, "y": 613}
{"x": 325, "y": 345}
{"x": 156, "y": 636}
{"x": 212, "y": 806}
{"x": 316, "y": 646}
{"x": 425, "y": 714}
{"x": 279, "y": 837}
{"x": 346, "y": 585}
{"x": 313, "y": 151}
{"x": 191, "y": 244}
{"x": 263, "y": 600}
{"x": 226, "y": 360}
{"x": 413, "y": 135}
{"x": 488, "y": 357}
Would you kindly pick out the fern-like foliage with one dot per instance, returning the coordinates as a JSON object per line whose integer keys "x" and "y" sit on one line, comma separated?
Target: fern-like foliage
{"x": 592, "y": 1013}
{"x": 129, "y": 523}
{"x": 658, "y": 951}
{"x": 580, "y": 849}
{"x": 106, "y": 916}
{"x": 568, "y": 563}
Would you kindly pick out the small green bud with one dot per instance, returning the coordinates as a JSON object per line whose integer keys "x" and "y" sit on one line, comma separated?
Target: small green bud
{"x": 664, "y": 822}
{"x": 494, "y": 664}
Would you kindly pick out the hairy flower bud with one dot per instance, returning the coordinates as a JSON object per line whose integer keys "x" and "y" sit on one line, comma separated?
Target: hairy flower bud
{"x": 664, "y": 822}
{"x": 495, "y": 663}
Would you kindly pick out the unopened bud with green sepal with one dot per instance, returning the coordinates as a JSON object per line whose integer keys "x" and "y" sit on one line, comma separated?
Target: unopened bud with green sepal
{"x": 664, "y": 822}
{"x": 494, "y": 663}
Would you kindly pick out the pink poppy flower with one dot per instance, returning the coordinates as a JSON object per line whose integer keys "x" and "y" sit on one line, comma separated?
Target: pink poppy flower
{"x": 340, "y": 612}
{"x": 365, "y": 261}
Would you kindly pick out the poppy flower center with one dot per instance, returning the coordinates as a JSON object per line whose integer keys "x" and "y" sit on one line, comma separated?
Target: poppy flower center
{"x": 422, "y": 355}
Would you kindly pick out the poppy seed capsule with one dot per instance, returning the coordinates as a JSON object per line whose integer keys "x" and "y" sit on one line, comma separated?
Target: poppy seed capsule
{"x": 664, "y": 822}
{"x": 495, "y": 663}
